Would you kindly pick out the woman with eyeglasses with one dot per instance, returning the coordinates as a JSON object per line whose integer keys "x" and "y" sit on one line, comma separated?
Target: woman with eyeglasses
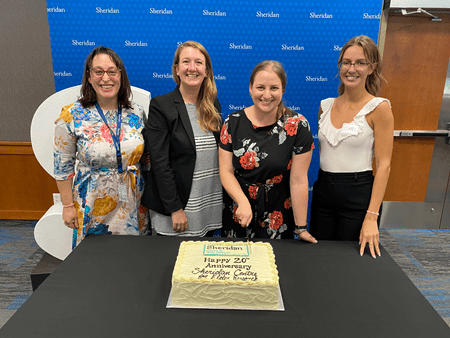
{"x": 183, "y": 191}
{"x": 97, "y": 146}
{"x": 354, "y": 129}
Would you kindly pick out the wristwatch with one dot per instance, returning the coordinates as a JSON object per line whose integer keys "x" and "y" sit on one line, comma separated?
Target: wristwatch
{"x": 298, "y": 229}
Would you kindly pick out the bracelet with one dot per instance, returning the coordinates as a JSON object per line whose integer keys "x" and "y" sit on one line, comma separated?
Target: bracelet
{"x": 298, "y": 229}
{"x": 375, "y": 213}
{"x": 68, "y": 205}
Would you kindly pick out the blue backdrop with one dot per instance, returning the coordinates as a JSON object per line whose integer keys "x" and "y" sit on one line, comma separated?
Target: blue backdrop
{"x": 305, "y": 36}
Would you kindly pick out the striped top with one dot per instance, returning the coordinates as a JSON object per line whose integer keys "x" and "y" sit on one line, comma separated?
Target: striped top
{"x": 204, "y": 207}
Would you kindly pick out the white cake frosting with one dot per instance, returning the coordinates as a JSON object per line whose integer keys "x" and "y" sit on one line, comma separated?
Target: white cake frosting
{"x": 226, "y": 275}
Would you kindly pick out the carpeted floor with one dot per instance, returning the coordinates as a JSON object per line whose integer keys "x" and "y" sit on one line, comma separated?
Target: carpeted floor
{"x": 424, "y": 255}
{"x": 19, "y": 254}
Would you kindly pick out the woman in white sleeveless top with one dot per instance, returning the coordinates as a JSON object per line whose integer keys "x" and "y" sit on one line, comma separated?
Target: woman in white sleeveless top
{"x": 354, "y": 128}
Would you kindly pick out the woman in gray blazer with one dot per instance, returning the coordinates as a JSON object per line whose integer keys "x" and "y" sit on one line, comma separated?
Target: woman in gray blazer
{"x": 183, "y": 190}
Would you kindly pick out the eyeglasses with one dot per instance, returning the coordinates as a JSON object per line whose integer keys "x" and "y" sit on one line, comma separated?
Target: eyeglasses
{"x": 358, "y": 64}
{"x": 98, "y": 73}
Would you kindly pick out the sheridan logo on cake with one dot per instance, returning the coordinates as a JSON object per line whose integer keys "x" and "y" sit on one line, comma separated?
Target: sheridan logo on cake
{"x": 226, "y": 250}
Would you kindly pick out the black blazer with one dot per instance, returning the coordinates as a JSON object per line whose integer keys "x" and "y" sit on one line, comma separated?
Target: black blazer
{"x": 170, "y": 141}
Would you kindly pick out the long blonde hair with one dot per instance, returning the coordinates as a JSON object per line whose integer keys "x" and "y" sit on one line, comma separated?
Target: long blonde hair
{"x": 210, "y": 119}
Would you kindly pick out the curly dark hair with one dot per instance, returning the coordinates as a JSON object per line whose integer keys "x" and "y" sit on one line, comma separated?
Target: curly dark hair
{"x": 88, "y": 96}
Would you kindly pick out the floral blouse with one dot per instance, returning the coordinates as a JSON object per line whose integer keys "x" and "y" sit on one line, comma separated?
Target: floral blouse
{"x": 106, "y": 201}
{"x": 262, "y": 162}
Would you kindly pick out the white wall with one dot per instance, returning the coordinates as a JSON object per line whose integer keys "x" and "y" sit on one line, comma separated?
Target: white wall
{"x": 420, "y": 4}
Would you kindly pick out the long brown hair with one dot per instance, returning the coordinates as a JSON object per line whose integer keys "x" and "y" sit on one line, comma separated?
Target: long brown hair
{"x": 210, "y": 119}
{"x": 373, "y": 81}
{"x": 88, "y": 96}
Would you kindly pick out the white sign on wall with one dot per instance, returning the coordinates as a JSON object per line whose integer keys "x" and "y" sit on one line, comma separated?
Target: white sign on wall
{"x": 420, "y": 4}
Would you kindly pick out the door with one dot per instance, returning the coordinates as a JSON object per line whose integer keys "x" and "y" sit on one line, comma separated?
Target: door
{"x": 416, "y": 52}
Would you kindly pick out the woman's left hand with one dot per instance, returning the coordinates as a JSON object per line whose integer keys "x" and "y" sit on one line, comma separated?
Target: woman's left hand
{"x": 306, "y": 236}
{"x": 370, "y": 235}
{"x": 145, "y": 158}
{"x": 179, "y": 220}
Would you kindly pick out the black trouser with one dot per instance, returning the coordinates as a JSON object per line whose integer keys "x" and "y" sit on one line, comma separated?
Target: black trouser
{"x": 339, "y": 205}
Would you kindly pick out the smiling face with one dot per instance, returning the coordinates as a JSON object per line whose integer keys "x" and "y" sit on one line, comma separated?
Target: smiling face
{"x": 353, "y": 77}
{"x": 191, "y": 68}
{"x": 105, "y": 87}
{"x": 266, "y": 91}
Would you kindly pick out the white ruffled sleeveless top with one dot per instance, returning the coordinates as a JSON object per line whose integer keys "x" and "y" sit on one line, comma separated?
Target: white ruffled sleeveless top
{"x": 350, "y": 148}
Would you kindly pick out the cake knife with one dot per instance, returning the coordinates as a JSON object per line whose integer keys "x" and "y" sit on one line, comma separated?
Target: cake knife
{"x": 248, "y": 240}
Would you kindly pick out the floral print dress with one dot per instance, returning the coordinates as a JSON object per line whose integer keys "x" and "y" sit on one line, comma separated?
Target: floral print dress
{"x": 262, "y": 160}
{"x": 84, "y": 149}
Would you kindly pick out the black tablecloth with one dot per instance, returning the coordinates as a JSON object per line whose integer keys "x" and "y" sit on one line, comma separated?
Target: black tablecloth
{"x": 118, "y": 286}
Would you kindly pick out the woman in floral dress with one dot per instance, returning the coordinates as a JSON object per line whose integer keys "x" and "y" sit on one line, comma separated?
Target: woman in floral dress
{"x": 264, "y": 156}
{"x": 97, "y": 146}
